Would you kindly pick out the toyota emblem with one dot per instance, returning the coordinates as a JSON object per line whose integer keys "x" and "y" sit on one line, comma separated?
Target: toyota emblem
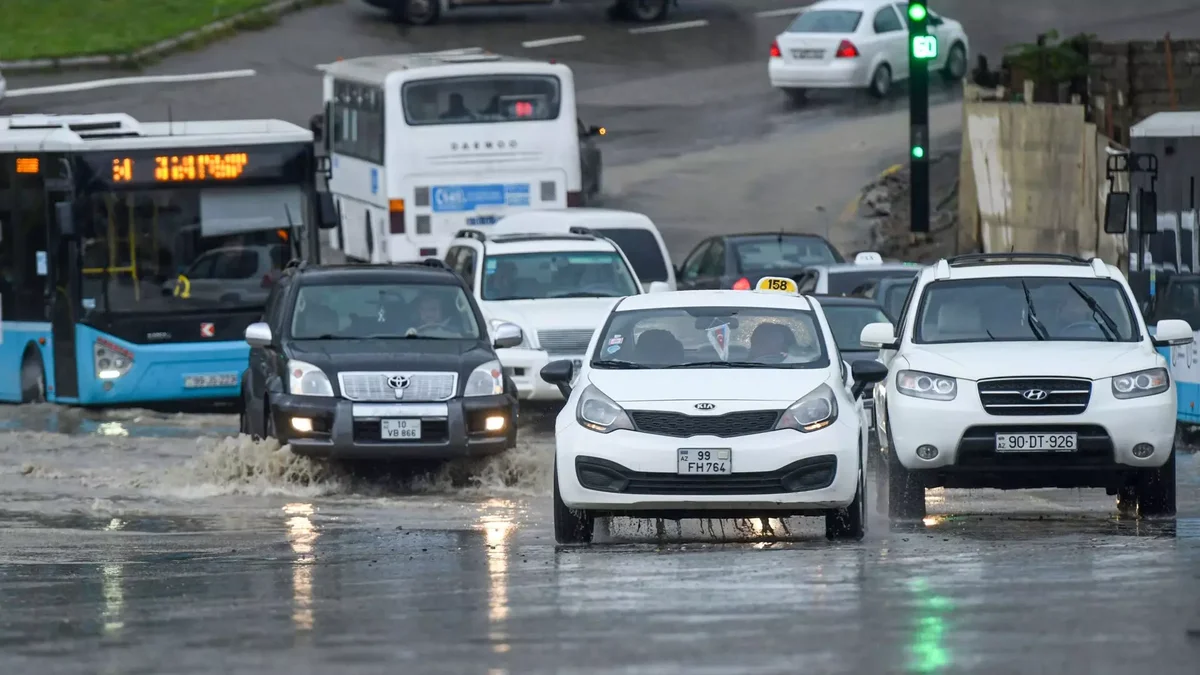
{"x": 1034, "y": 395}
{"x": 705, "y": 406}
{"x": 398, "y": 382}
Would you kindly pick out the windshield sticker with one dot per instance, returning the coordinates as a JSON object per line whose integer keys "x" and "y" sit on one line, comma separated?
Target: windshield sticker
{"x": 718, "y": 337}
{"x": 602, "y": 259}
{"x": 616, "y": 340}
{"x": 613, "y": 349}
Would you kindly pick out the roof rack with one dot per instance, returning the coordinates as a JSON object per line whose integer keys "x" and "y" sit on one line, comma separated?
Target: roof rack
{"x": 477, "y": 235}
{"x": 1001, "y": 258}
{"x": 433, "y": 262}
{"x": 580, "y": 230}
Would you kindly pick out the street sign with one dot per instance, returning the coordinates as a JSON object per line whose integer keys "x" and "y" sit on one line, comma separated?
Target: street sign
{"x": 925, "y": 47}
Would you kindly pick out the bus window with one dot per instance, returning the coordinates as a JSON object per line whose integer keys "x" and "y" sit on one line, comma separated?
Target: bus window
{"x": 358, "y": 121}
{"x": 482, "y": 98}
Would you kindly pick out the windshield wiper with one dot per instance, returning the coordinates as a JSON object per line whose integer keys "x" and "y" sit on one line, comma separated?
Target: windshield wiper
{"x": 581, "y": 294}
{"x": 727, "y": 364}
{"x": 618, "y": 365}
{"x": 1035, "y": 324}
{"x": 1106, "y": 323}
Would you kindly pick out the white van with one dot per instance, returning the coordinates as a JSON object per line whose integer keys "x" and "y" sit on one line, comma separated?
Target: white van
{"x": 635, "y": 233}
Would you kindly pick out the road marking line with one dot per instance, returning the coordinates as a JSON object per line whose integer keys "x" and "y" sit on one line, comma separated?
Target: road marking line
{"x": 699, "y": 23}
{"x": 126, "y": 81}
{"x": 851, "y": 209}
{"x": 565, "y": 39}
{"x": 786, "y": 11}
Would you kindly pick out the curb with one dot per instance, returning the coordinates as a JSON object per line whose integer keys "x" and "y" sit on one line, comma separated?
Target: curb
{"x": 851, "y": 208}
{"x": 165, "y": 47}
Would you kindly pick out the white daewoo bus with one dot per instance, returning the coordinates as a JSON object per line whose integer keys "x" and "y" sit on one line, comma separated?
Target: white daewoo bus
{"x": 424, "y": 145}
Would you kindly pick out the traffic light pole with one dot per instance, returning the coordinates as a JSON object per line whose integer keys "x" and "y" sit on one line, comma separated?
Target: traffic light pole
{"x": 920, "y": 47}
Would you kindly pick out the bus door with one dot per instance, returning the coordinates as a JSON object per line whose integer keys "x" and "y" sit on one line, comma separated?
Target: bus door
{"x": 64, "y": 286}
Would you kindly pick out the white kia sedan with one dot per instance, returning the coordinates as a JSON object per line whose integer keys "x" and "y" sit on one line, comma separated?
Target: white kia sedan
{"x": 712, "y": 404}
{"x": 858, "y": 44}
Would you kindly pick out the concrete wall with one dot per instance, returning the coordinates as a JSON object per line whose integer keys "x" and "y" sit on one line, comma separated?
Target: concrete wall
{"x": 1032, "y": 179}
{"x": 1129, "y": 81}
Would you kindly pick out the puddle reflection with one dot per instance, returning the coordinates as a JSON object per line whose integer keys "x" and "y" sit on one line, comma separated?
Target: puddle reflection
{"x": 498, "y": 529}
{"x": 302, "y": 534}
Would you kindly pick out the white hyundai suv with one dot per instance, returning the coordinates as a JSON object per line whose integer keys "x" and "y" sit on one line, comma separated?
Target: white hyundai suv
{"x": 556, "y": 287}
{"x": 1016, "y": 371}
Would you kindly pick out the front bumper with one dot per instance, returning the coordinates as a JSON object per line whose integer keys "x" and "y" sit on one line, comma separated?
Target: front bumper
{"x": 964, "y": 434}
{"x": 781, "y": 472}
{"x": 524, "y": 368}
{"x": 348, "y": 430}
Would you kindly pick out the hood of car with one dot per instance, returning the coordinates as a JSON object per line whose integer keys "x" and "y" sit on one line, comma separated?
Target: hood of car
{"x": 726, "y": 389}
{"x": 981, "y": 360}
{"x": 383, "y": 355}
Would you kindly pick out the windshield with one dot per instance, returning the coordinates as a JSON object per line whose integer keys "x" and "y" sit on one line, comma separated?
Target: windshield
{"x": 847, "y": 321}
{"x": 771, "y": 253}
{"x": 363, "y": 311}
{"x": 556, "y": 274}
{"x": 826, "y": 21}
{"x": 1025, "y": 309}
{"x": 481, "y": 99}
{"x": 846, "y": 282}
{"x": 643, "y": 252}
{"x": 711, "y": 337}
{"x": 187, "y": 249}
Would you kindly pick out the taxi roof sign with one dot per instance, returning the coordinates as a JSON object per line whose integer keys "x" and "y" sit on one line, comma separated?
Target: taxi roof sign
{"x": 868, "y": 258}
{"x": 777, "y": 285}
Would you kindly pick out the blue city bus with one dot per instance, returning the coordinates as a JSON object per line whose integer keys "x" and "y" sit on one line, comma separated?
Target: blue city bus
{"x": 133, "y": 255}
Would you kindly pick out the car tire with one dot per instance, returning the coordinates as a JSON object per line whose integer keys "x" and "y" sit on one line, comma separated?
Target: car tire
{"x": 850, "y": 522}
{"x": 956, "y": 63}
{"x": 906, "y": 490}
{"x": 417, "y": 12}
{"x": 1127, "y": 500}
{"x": 643, "y": 11}
{"x": 571, "y": 526}
{"x": 881, "y": 81}
{"x": 33, "y": 378}
{"x": 1156, "y": 491}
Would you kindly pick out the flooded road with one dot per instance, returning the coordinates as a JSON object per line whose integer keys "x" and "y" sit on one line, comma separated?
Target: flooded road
{"x": 141, "y": 542}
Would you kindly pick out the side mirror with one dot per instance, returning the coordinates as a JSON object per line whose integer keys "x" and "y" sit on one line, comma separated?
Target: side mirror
{"x": 258, "y": 335}
{"x": 866, "y": 373}
{"x": 596, "y": 131}
{"x": 65, "y": 213}
{"x": 659, "y": 287}
{"x": 326, "y": 140}
{"x": 1116, "y": 213}
{"x": 1172, "y": 333}
{"x": 878, "y": 336}
{"x": 1147, "y": 212}
{"x": 508, "y": 335}
{"x": 559, "y": 373}
{"x": 935, "y": 20}
{"x": 328, "y": 218}
{"x": 316, "y": 124}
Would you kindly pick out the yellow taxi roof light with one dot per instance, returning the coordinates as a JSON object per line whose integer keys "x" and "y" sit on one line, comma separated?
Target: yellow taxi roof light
{"x": 777, "y": 285}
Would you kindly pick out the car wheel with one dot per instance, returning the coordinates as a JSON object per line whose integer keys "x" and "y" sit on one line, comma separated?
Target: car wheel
{"x": 906, "y": 490}
{"x": 796, "y": 96}
{"x": 850, "y": 522}
{"x": 418, "y": 12}
{"x": 571, "y": 526}
{"x": 33, "y": 378}
{"x": 956, "y": 63}
{"x": 1127, "y": 500}
{"x": 1156, "y": 491}
{"x": 644, "y": 11}
{"x": 881, "y": 81}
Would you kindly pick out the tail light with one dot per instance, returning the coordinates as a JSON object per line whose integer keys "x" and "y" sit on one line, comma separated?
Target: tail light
{"x": 742, "y": 284}
{"x": 846, "y": 50}
{"x": 396, "y": 216}
{"x": 775, "y": 53}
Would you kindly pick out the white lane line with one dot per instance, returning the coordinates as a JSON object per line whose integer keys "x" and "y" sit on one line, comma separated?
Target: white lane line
{"x": 547, "y": 42}
{"x": 786, "y": 11}
{"x": 126, "y": 81}
{"x": 700, "y": 23}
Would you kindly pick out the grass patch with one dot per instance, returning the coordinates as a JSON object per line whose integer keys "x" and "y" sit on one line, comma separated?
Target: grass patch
{"x": 61, "y": 28}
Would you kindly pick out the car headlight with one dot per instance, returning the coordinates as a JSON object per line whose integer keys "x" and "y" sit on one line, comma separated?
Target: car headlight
{"x": 600, "y": 413}
{"x": 1142, "y": 383}
{"x": 920, "y": 384}
{"x": 814, "y": 411}
{"x": 486, "y": 380}
{"x": 495, "y": 323}
{"x": 305, "y": 379}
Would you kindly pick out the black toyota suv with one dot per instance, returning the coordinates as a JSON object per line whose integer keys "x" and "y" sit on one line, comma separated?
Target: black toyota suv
{"x": 378, "y": 362}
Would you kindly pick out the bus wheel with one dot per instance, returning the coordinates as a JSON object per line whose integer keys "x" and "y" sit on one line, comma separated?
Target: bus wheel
{"x": 418, "y": 12}
{"x": 33, "y": 378}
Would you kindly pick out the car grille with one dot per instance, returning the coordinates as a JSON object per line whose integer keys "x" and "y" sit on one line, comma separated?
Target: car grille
{"x": 421, "y": 386}
{"x": 1007, "y": 396}
{"x": 813, "y": 473}
{"x": 680, "y": 425}
{"x": 565, "y": 341}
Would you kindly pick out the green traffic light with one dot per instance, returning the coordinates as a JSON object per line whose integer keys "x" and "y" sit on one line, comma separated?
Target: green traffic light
{"x": 918, "y": 152}
{"x": 917, "y": 12}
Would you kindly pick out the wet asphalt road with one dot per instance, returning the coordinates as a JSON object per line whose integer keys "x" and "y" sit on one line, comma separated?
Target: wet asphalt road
{"x": 139, "y": 542}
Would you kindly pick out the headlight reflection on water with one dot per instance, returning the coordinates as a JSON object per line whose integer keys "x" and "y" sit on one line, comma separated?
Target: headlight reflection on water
{"x": 113, "y": 588}
{"x": 497, "y": 529}
{"x": 928, "y": 649}
{"x": 301, "y": 534}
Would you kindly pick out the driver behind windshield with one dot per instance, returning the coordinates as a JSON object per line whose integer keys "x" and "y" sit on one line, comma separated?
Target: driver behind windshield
{"x": 432, "y": 319}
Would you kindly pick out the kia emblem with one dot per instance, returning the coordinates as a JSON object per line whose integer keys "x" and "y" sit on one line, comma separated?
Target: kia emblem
{"x": 207, "y": 330}
{"x": 705, "y": 406}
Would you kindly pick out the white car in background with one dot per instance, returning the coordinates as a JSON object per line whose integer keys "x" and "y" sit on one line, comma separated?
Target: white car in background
{"x": 635, "y": 233}
{"x": 858, "y": 44}
{"x": 3, "y": 86}
{"x": 557, "y": 287}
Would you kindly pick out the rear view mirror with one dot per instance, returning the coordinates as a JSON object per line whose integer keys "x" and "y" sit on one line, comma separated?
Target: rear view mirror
{"x": 559, "y": 373}
{"x": 328, "y": 218}
{"x": 507, "y": 335}
{"x": 1116, "y": 213}
{"x": 658, "y": 287}
{"x": 258, "y": 335}
{"x": 878, "y": 336}
{"x": 596, "y": 131}
{"x": 1172, "y": 333}
{"x": 65, "y": 214}
{"x": 866, "y": 373}
{"x": 316, "y": 124}
{"x": 1147, "y": 211}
